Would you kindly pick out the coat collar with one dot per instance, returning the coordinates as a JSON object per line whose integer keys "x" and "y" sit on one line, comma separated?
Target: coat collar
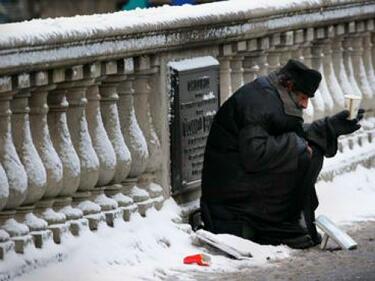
{"x": 289, "y": 104}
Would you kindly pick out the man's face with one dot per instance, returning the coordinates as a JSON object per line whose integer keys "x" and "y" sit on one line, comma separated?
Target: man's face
{"x": 302, "y": 100}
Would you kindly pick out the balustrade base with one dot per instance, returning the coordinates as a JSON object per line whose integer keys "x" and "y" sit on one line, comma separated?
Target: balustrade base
{"x": 71, "y": 213}
{"x": 112, "y": 216}
{"x": 95, "y": 220}
{"x": 125, "y": 203}
{"x": 78, "y": 226}
{"x": 128, "y": 211}
{"x": 140, "y": 196}
{"x": 6, "y": 248}
{"x": 41, "y": 237}
{"x": 143, "y": 206}
{"x": 21, "y": 243}
{"x": 155, "y": 191}
{"x": 62, "y": 202}
{"x": 158, "y": 202}
{"x": 59, "y": 231}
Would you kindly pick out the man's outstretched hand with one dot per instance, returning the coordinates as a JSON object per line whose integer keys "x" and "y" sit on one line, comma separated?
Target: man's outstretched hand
{"x": 342, "y": 125}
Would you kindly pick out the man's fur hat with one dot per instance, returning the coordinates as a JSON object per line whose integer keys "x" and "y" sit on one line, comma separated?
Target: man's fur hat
{"x": 305, "y": 80}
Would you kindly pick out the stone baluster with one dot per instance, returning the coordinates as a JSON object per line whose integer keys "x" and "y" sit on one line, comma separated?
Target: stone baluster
{"x": 36, "y": 173}
{"x": 160, "y": 103}
{"x": 142, "y": 87}
{"x": 101, "y": 144}
{"x": 299, "y": 39}
{"x": 317, "y": 102}
{"x": 160, "y": 125}
{"x": 338, "y": 61}
{"x": 60, "y": 136}
{"x": 287, "y": 47}
{"x": 359, "y": 71}
{"x": 77, "y": 123}
{"x": 224, "y": 58}
{"x": 262, "y": 61}
{"x": 348, "y": 61}
{"x": 14, "y": 185}
{"x": 41, "y": 135}
{"x": 236, "y": 65}
{"x": 111, "y": 116}
{"x": 52, "y": 162}
{"x": 16, "y": 174}
{"x": 135, "y": 141}
{"x": 6, "y": 245}
{"x": 99, "y": 137}
{"x": 273, "y": 53}
{"x": 317, "y": 63}
{"x": 329, "y": 74}
{"x": 4, "y": 186}
{"x": 297, "y": 52}
{"x": 367, "y": 59}
{"x": 250, "y": 65}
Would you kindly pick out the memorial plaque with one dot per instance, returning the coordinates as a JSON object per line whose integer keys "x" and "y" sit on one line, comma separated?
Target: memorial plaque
{"x": 194, "y": 95}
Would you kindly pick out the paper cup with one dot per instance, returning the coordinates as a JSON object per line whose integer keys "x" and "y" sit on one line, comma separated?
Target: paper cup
{"x": 352, "y": 104}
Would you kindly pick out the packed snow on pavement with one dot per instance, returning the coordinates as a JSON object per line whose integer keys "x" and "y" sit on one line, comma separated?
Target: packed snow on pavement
{"x": 152, "y": 247}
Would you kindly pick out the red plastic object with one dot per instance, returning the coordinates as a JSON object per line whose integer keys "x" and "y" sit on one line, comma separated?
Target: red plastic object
{"x": 200, "y": 259}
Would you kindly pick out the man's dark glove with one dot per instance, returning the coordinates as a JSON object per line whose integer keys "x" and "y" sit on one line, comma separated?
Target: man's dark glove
{"x": 342, "y": 125}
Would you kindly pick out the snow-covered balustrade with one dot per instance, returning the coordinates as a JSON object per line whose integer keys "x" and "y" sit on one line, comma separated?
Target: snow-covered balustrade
{"x": 84, "y": 133}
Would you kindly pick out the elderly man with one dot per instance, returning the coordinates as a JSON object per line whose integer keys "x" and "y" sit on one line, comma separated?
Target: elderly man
{"x": 261, "y": 162}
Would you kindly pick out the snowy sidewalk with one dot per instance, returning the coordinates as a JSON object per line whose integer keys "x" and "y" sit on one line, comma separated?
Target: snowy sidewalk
{"x": 306, "y": 265}
{"x": 152, "y": 248}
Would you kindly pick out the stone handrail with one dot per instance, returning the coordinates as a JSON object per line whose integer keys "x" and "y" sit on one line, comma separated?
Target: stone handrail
{"x": 84, "y": 133}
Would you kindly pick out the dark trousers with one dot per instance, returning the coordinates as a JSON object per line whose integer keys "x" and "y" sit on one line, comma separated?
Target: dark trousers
{"x": 310, "y": 202}
{"x": 234, "y": 218}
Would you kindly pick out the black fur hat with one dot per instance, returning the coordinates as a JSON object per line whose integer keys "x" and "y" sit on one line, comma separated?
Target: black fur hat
{"x": 306, "y": 80}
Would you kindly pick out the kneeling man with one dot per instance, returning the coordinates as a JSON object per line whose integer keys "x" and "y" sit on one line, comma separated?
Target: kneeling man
{"x": 261, "y": 161}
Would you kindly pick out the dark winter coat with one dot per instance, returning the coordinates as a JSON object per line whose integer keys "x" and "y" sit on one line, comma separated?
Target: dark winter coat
{"x": 253, "y": 149}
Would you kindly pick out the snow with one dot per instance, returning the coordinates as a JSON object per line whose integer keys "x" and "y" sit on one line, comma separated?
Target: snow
{"x": 35, "y": 223}
{"x": 106, "y": 202}
{"x": 53, "y": 217}
{"x": 153, "y": 247}
{"x": 122, "y": 199}
{"x": 71, "y": 213}
{"x": 349, "y": 198}
{"x": 15, "y": 228}
{"x": 188, "y": 64}
{"x": 121, "y": 28}
{"x": 4, "y": 236}
{"x": 209, "y": 96}
{"x": 138, "y": 194}
{"x": 89, "y": 207}
{"x": 37, "y": 31}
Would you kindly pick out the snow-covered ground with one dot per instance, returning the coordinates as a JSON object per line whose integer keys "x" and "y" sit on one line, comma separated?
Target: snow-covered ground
{"x": 150, "y": 248}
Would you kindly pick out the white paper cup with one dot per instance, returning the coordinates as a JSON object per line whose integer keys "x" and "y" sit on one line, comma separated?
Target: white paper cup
{"x": 352, "y": 104}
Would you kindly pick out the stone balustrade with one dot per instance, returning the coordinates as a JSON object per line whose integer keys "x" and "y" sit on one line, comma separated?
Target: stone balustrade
{"x": 84, "y": 133}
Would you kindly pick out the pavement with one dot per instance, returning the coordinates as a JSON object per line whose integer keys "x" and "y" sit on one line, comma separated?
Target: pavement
{"x": 312, "y": 264}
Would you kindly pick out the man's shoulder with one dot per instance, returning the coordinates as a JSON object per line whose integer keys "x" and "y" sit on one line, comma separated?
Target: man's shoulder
{"x": 260, "y": 88}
